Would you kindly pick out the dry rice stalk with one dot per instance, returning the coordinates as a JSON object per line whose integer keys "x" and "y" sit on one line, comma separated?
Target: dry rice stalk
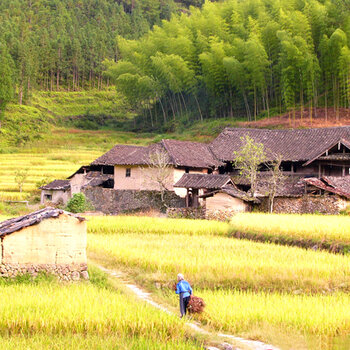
{"x": 196, "y": 305}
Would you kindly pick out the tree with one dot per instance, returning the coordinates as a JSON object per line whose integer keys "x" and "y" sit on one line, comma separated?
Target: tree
{"x": 275, "y": 180}
{"x": 248, "y": 160}
{"x": 21, "y": 177}
{"x": 158, "y": 172}
{"x": 6, "y": 80}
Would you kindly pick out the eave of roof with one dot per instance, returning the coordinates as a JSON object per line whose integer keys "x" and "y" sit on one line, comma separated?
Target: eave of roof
{"x": 12, "y": 225}
{"x": 297, "y": 145}
{"x": 57, "y": 185}
{"x": 205, "y": 181}
{"x": 326, "y": 184}
{"x": 319, "y": 154}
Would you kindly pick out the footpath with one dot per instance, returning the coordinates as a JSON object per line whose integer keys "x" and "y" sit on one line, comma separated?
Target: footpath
{"x": 225, "y": 340}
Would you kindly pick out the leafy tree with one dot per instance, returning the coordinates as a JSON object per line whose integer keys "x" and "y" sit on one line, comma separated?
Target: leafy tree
{"x": 248, "y": 160}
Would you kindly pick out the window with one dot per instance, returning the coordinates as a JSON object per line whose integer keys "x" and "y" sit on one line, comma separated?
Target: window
{"x": 128, "y": 172}
{"x": 48, "y": 197}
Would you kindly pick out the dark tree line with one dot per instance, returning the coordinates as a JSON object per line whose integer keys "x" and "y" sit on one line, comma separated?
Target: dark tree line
{"x": 239, "y": 58}
{"x": 60, "y": 44}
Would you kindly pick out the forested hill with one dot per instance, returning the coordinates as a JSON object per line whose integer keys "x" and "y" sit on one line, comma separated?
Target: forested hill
{"x": 60, "y": 44}
{"x": 240, "y": 58}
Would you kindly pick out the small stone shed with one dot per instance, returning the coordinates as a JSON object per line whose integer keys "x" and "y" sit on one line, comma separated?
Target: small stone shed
{"x": 216, "y": 193}
{"x": 56, "y": 191}
{"x": 49, "y": 240}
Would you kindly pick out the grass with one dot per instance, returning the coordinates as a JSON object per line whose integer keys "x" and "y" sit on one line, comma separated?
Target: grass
{"x": 324, "y": 231}
{"x": 45, "y": 314}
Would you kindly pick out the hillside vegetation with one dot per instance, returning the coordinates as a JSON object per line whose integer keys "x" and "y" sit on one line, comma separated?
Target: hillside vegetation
{"x": 239, "y": 58}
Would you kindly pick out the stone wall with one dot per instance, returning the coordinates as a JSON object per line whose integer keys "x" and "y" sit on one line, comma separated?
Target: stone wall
{"x": 64, "y": 272}
{"x": 305, "y": 205}
{"x": 111, "y": 201}
{"x": 186, "y": 213}
{"x": 220, "y": 214}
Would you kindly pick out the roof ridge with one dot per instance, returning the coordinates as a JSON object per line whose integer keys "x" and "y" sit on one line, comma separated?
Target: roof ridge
{"x": 163, "y": 142}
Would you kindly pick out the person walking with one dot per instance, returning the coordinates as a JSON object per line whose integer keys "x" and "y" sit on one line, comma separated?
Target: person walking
{"x": 184, "y": 290}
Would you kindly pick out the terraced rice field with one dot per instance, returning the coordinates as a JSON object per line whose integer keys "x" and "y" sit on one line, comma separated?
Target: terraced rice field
{"x": 45, "y": 166}
{"x": 288, "y": 296}
{"x": 85, "y": 315}
{"x": 317, "y": 228}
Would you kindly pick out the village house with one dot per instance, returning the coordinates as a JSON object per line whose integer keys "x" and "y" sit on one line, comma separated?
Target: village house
{"x": 49, "y": 240}
{"x": 122, "y": 178}
{"x": 57, "y": 191}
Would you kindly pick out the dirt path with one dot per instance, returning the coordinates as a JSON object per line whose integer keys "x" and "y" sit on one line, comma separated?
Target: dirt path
{"x": 195, "y": 326}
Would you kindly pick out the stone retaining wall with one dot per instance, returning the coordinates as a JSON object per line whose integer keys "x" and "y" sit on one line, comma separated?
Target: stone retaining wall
{"x": 306, "y": 205}
{"x": 186, "y": 213}
{"x": 63, "y": 272}
{"x": 220, "y": 215}
{"x": 110, "y": 201}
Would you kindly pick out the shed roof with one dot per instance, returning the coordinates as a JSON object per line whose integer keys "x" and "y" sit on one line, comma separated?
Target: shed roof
{"x": 336, "y": 185}
{"x": 293, "y": 145}
{"x": 207, "y": 181}
{"x": 233, "y": 192}
{"x": 57, "y": 185}
{"x": 16, "y": 224}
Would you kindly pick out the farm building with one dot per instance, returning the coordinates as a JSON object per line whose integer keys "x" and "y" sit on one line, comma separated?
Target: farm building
{"x": 57, "y": 191}
{"x": 49, "y": 240}
{"x": 215, "y": 192}
{"x": 126, "y": 177}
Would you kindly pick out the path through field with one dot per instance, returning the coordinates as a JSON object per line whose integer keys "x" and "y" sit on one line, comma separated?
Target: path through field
{"x": 195, "y": 326}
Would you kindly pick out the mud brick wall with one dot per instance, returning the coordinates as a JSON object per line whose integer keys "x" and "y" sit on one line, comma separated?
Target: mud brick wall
{"x": 111, "y": 201}
{"x": 57, "y": 241}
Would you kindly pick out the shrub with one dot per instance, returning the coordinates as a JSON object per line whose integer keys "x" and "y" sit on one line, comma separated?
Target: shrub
{"x": 78, "y": 204}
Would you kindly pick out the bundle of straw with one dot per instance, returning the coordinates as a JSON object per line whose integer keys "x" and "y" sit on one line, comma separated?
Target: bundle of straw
{"x": 196, "y": 305}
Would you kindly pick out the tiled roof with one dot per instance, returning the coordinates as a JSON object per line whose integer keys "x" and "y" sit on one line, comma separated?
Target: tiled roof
{"x": 180, "y": 153}
{"x": 233, "y": 192}
{"x": 57, "y": 185}
{"x": 291, "y": 187}
{"x": 190, "y": 154}
{"x": 207, "y": 181}
{"x": 337, "y": 185}
{"x": 123, "y": 155}
{"x": 319, "y": 154}
{"x": 16, "y": 224}
{"x": 293, "y": 145}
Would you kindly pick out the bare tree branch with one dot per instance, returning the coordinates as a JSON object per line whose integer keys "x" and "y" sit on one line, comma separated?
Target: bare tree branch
{"x": 158, "y": 172}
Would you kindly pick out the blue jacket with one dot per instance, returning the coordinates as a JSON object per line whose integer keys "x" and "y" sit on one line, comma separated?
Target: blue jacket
{"x": 184, "y": 287}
